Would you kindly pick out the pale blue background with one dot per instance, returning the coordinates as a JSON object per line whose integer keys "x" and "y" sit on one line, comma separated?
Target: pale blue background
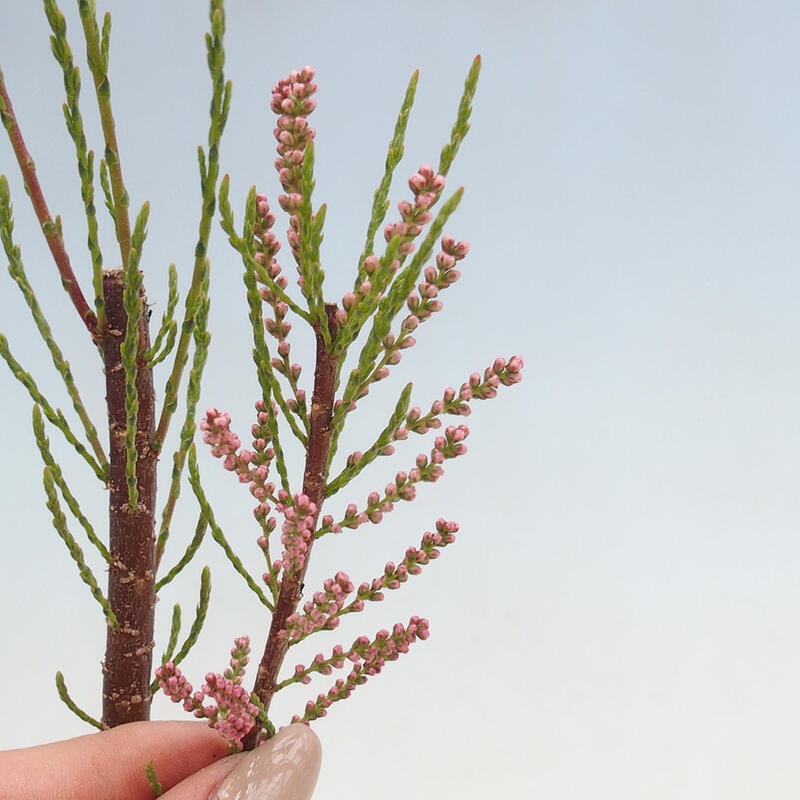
{"x": 619, "y": 618}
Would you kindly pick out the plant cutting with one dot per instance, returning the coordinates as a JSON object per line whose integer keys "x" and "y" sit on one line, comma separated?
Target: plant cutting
{"x": 408, "y": 260}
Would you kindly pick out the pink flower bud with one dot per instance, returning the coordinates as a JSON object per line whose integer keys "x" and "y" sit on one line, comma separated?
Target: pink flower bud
{"x": 409, "y": 324}
{"x": 445, "y": 261}
{"x": 348, "y": 300}
{"x": 371, "y": 264}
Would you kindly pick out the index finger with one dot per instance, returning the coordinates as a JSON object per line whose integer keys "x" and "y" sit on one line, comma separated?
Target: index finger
{"x": 110, "y": 765}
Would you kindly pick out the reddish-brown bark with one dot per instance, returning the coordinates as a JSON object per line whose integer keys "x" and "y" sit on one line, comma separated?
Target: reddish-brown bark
{"x": 127, "y": 667}
{"x": 319, "y": 444}
{"x": 51, "y": 234}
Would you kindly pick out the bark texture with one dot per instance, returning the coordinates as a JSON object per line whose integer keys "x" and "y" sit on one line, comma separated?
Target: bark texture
{"x": 127, "y": 668}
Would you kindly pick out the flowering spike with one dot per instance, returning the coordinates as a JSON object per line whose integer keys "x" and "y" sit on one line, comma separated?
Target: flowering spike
{"x": 231, "y": 713}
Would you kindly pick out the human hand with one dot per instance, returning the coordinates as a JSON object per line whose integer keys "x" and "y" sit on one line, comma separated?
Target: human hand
{"x": 190, "y": 761}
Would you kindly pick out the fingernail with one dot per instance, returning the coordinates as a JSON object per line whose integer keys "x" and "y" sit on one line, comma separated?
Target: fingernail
{"x": 284, "y": 768}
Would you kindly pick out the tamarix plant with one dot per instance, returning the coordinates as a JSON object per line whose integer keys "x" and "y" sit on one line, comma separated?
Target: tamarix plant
{"x": 397, "y": 287}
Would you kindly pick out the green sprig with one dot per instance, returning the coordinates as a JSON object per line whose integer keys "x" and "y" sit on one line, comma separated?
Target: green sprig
{"x": 389, "y": 306}
{"x": 266, "y": 376}
{"x": 172, "y": 643}
{"x": 461, "y": 125}
{"x": 188, "y": 555}
{"x": 152, "y": 779}
{"x": 244, "y": 246}
{"x": 380, "y": 202}
{"x": 54, "y": 416}
{"x": 72, "y": 114}
{"x": 17, "y": 271}
{"x": 60, "y": 524}
{"x": 386, "y": 437}
{"x": 202, "y": 339}
{"x": 209, "y": 173}
{"x": 129, "y": 351}
{"x": 97, "y": 46}
{"x": 105, "y": 185}
{"x": 218, "y": 535}
{"x": 310, "y": 233}
{"x": 199, "y": 618}
{"x": 43, "y": 444}
{"x": 168, "y": 330}
{"x": 63, "y": 693}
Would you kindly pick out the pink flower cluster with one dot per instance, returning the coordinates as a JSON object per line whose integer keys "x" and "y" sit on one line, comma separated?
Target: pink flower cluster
{"x": 322, "y": 611}
{"x": 265, "y": 241}
{"x": 251, "y": 466}
{"x": 426, "y": 469}
{"x": 368, "y": 658}
{"x": 326, "y": 608}
{"x": 290, "y": 371}
{"x": 421, "y": 305}
{"x": 224, "y": 442}
{"x": 427, "y": 187}
{"x": 292, "y": 101}
{"x": 501, "y": 373}
{"x": 415, "y": 558}
{"x": 425, "y": 303}
{"x": 231, "y": 712}
{"x": 300, "y": 518}
{"x": 266, "y": 247}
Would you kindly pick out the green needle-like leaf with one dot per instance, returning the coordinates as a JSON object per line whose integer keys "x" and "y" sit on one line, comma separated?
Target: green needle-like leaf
{"x": 218, "y": 535}
{"x": 55, "y": 416}
{"x": 60, "y": 524}
{"x": 129, "y": 350}
{"x": 202, "y": 339}
{"x": 63, "y": 693}
{"x": 209, "y": 172}
{"x": 17, "y": 272}
{"x": 199, "y": 617}
{"x": 174, "y": 632}
{"x": 461, "y": 125}
{"x": 380, "y": 203}
{"x": 165, "y": 338}
{"x": 385, "y": 438}
{"x": 97, "y": 45}
{"x": 191, "y": 550}
{"x": 43, "y": 444}
{"x": 72, "y": 114}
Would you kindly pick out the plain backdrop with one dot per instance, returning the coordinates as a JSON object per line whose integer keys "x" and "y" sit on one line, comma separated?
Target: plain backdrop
{"x": 619, "y": 616}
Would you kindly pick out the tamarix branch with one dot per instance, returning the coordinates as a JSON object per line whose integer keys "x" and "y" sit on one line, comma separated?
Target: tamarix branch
{"x": 359, "y": 339}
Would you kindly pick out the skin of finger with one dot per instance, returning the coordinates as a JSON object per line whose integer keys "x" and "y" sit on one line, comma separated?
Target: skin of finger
{"x": 110, "y": 765}
{"x": 202, "y": 784}
{"x": 300, "y": 779}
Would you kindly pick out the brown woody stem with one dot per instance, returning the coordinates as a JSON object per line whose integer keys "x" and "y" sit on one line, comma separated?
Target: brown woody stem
{"x": 131, "y": 579}
{"x": 314, "y": 480}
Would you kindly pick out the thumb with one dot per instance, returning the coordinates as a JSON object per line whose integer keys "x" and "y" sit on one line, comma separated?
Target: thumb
{"x": 283, "y": 768}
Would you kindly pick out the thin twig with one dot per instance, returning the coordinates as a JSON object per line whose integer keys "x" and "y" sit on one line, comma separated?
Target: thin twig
{"x": 49, "y": 228}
